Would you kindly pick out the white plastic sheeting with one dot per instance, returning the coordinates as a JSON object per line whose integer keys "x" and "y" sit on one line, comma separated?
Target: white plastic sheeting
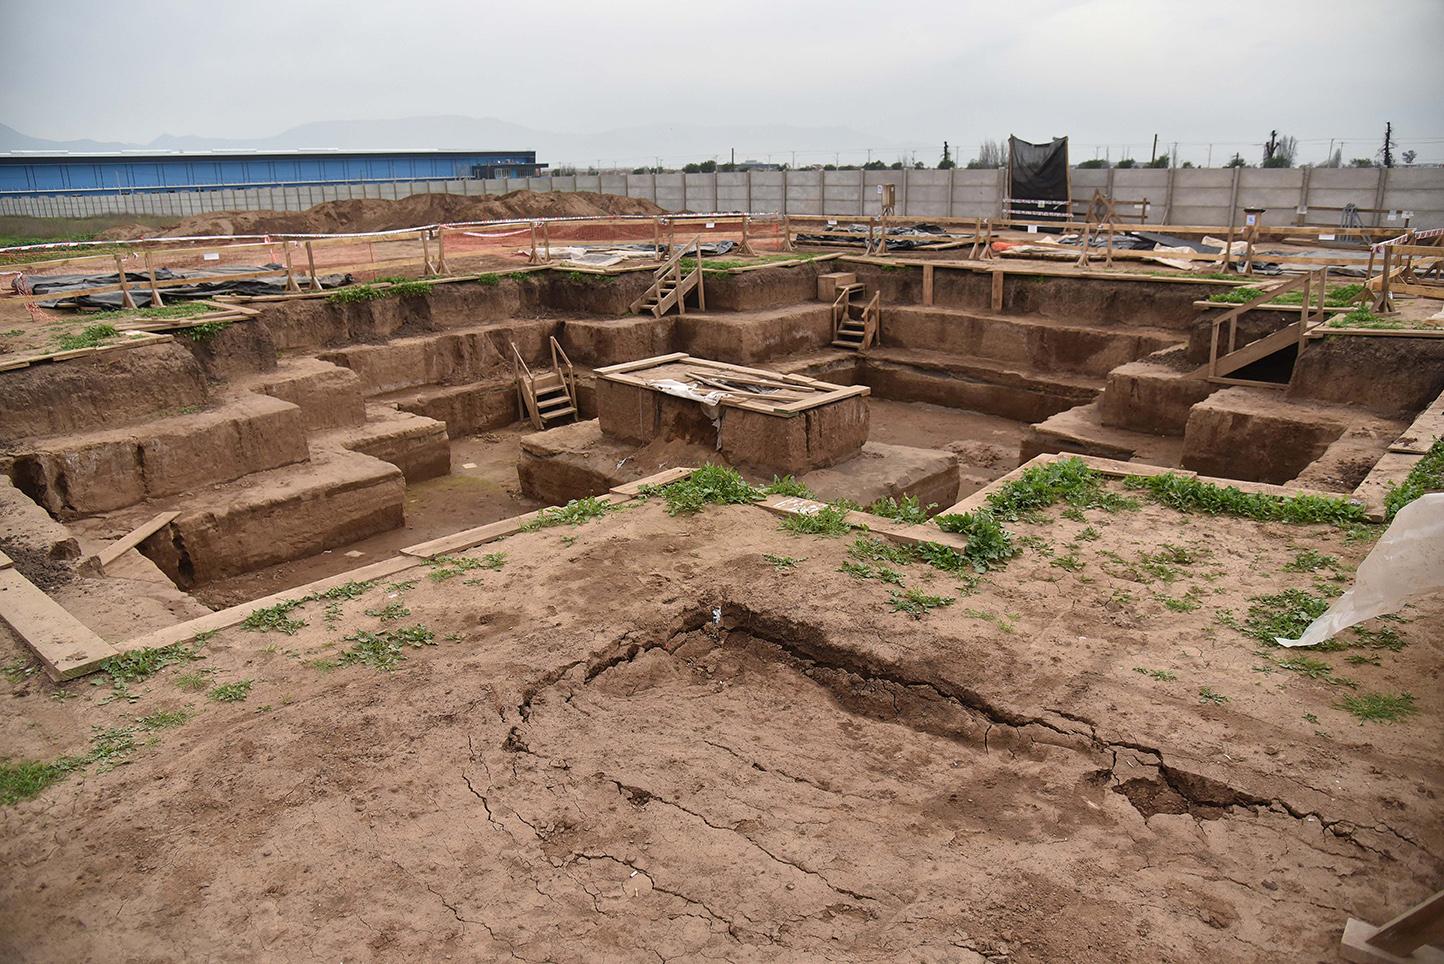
{"x": 1406, "y": 564}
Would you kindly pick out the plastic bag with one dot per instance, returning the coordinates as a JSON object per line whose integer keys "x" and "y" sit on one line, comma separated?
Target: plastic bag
{"x": 1406, "y": 563}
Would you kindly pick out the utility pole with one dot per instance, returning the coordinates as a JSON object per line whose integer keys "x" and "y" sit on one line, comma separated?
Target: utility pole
{"x": 1154, "y": 156}
{"x": 1388, "y": 144}
{"x": 734, "y": 157}
{"x": 1173, "y": 155}
{"x": 794, "y": 160}
{"x": 1210, "y": 156}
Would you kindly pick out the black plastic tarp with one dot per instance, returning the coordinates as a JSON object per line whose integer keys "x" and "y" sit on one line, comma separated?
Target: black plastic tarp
{"x": 1038, "y": 173}
{"x": 206, "y": 284}
{"x": 908, "y": 237}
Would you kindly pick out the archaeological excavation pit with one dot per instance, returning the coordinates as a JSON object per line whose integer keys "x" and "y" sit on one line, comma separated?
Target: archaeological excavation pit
{"x": 804, "y": 603}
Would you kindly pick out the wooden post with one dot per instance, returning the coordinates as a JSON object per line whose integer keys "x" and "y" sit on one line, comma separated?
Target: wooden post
{"x": 657, "y": 238}
{"x": 1228, "y": 246}
{"x": 1108, "y": 261}
{"x": 701, "y": 277}
{"x": 155, "y": 298}
{"x": 997, "y": 289}
{"x": 125, "y": 299}
{"x": 547, "y": 239}
{"x": 928, "y": 285}
{"x": 533, "y": 258}
{"x": 786, "y": 233}
{"x": 290, "y": 269}
{"x": 1248, "y": 251}
{"x": 311, "y": 267}
{"x": 441, "y": 266}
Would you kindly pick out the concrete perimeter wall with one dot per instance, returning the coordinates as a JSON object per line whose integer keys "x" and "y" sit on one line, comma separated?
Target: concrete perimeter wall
{"x": 1200, "y": 196}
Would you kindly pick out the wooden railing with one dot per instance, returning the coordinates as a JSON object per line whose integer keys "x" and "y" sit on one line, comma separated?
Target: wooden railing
{"x": 1233, "y": 358}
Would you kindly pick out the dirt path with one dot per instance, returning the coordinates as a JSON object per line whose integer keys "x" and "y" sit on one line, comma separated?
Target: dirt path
{"x": 639, "y": 738}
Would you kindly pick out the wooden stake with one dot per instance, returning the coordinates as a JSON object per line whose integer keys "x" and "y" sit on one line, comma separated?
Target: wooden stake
{"x": 290, "y": 271}
{"x": 125, "y": 299}
{"x": 547, "y": 238}
{"x": 311, "y": 267}
{"x": 155, "y": 299}
{"x": 441, "y": 265}
{"x": 997, "y": 290}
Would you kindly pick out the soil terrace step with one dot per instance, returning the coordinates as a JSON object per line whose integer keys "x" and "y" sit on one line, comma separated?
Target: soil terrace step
{"x": 1044, "y": 343}
{"x": 981, "y": 384}
{"x": 329, "y": 396}
{"x": 753, "y": 337}
{"x": 578, "y": 460}
{"x": 1153, "y": 395}
{"x": 106, "y": 470}
{"x": 465, "y": 409}
{"x": 418, "y": 446}
{"x": 270, "y": 517}
{"x": 1282, "y": 436}
{"x": 1081, "y": 430}
{"x": 456, "y": 356}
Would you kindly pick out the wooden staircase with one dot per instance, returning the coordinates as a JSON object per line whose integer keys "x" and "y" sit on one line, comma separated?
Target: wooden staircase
{"x": 670, "y": 286}
{"x": 1221, "y": 368}
{"x": 549, "y": 396}
{"x": 855, "y": 323}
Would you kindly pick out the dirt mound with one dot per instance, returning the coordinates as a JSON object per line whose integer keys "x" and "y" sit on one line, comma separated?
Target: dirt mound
{"x": 378, "y": 215}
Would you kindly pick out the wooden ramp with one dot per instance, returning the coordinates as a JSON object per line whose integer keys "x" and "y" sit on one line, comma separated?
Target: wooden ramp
{"x": 65, "y": 646}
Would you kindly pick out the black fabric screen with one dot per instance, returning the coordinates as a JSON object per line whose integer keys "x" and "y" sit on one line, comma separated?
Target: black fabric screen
{"x": 1038, "y": 173}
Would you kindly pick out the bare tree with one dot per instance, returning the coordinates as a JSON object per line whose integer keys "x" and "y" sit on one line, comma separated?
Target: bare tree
{"x": 990, "y": 154}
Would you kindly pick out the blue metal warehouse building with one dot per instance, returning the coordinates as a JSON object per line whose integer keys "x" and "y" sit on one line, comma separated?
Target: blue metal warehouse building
{"x": 129, "y": 172}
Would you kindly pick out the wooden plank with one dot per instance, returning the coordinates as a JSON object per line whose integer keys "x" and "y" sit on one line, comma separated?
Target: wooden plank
{"x": 470, "y": 538}
{"x": 641, "y": 363}
{"x": 1356, "y": 946}
{"x": 980, "y": 497}
{"x": 665, "y": 477}
{"x": 1419, "y": 437}
{"x": 134, "y": 538}
{"x": 1420, "y": 925}
{"x": 66, "y": 647}
{"x": 225, "y": 618}
{"x": 5, "y": 561}
{"x": 786, "y": 505}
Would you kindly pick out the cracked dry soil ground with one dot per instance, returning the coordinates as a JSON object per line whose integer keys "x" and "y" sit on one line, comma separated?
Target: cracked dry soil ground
{"x": 591, "y": 769}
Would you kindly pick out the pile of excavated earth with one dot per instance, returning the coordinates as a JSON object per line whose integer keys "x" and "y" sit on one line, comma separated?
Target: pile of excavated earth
{"x": 376, "y": 214}
{"x": 364, "y": 695}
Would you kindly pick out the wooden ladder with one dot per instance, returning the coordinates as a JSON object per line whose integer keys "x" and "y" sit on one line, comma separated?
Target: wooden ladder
{"x": 855, "y": 324}
{"x": 546, "y": 397}
{"x": 1221, "y": 367}
{"x": 670, "y": 286}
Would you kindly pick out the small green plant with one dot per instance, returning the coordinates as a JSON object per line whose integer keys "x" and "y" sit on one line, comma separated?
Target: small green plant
{"x": 1090, "y": 534}
{"x": 386, "y": 649}
{"x": 1006, "y": 625}
{"x": 390, "y": 613}
{"x": 89, "y": 338}
{"x": 1380, "y": 707}
{"x": 205, "y": 331}
{"x": 829, "y": 521}
{"x": 1207, "y": 695}
{"x": 1281, "y": 615}
{"x": 780, "y": 563}
{"x": 1310, "y": 560}
{"x": 789, "y": 486}
{"x": 907, "y": 511}
{"x": 574, "y": 513}
{"x": 140, "y": 664}
{"x": 1361, "y": 659}
{"x": 1070, "y": 562}
{"x": 1067, "y": 480}
{"x": 231, "y": 692}
{"x": 356, "y": 294}
{"x": 274, "y": 619}
{"x": 1188, "y": 494}
{"x": 163, "y": 719}
{"x": 916, "y": 603}
{"x": 345, "y": 591}
{"x": 990, "y": 546}
{"x": 1162, "y": 675}
{"x": 1314, "y": 668}
{"x": 1427, "y": 475}
{"x": 193, "y": 682}
{"x": 1184, "y": 605}
{"x": 869, "y": 549}
{"x": 449, "y": 567}
{"x": 1385, "y": 638}
{"x": 708, "y": 485}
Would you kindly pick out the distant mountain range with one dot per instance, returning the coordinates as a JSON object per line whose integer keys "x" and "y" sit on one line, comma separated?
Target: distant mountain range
{"x": 629, "y": 146}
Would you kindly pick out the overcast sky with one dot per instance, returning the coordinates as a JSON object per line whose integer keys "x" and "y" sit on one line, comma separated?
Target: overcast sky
{"x": 1110, "y": 73}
